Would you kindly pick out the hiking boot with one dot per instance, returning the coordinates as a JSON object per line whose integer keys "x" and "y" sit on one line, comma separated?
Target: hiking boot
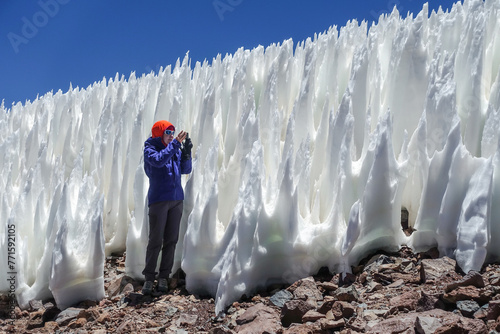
{"x": 162, "y": 285}
{"x": 147, "y": 288}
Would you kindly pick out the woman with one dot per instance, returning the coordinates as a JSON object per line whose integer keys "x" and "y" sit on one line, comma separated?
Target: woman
{"x": 164, "y": 162}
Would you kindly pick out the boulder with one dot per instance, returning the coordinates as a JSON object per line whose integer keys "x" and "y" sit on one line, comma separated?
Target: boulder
{"x": 293, "y": 311}
{"x": 281, "y": 297}
{"x": 258, "y": 319}
{"x": 406, "y": 302}
{"x": 472, "y": 278}
{"x": 433, "y": 269}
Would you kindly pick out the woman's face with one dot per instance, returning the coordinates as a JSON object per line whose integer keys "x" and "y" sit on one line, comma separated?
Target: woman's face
{"x": 168, "y": 136}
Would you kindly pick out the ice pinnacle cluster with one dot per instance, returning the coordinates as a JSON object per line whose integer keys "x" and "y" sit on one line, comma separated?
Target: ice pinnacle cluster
{"x": 304, "y": 157}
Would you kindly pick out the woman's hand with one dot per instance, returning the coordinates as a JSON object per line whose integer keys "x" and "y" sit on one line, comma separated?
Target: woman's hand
{"x": 181, "y": 136}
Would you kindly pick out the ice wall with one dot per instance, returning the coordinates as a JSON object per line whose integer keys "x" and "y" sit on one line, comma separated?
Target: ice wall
{"x": 304, "y": 156}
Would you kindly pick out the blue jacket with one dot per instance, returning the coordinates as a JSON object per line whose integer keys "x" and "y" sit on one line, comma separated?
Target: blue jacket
{"x": 163, "y": 166}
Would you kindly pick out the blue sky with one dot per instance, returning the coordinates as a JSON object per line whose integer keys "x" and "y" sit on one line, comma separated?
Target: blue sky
{"x": 47, "y": 44}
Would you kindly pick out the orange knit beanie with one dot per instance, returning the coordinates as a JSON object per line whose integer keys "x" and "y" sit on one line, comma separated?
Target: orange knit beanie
{"x": 160, "y": 127}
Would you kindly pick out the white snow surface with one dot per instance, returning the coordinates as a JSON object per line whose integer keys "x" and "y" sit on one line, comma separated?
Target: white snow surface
{"x": 304, "y": 157}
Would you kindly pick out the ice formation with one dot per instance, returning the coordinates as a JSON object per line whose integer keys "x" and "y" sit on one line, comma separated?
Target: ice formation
{"x": 304, "y": 158}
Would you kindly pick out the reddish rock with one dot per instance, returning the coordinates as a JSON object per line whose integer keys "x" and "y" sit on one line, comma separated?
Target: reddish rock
{"x": 341, "y": 309}
{"x": 493, "y": 310}
{"x": 406, "y": 302}
{"x": 127, "y": 326}
{"x": 328, "y": 286}
{"x": 398, "y": 324}
{"x": 473, "y": 278}
{"x": 330, "y": 324}
{"x": 308, "y": 328}
{"x": 327, "y": 304}
{"x": 464, "y": 293}
{"x": 312, "y": 316}
{"x": 427, "y": 325}
{"x": 89, "y": 314}
{"x": 308, "y": 291}
{"x": 442, "y": 322}
{"x": 186, "y": 319}
{"x": 103, "y": 318}
{"x": 463, "y": 325}
{"x": 78, "y": 323}
{"x": 258, "y": 319}
{"x": 429, "y": 302}
{"x": 51, "y": 326}
{"x": 293, "y": 311}
{"x": 253, "y": 312}
{"x": 371, "y": 310}
{"x": 347, "y": 294}
{"x": 357, "y": 324}
{"x": 434, "y": 269}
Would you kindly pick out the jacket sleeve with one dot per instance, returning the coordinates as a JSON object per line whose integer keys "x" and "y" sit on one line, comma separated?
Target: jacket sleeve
{"x": 186, "y": 166}
{"x": 159, "y": 158}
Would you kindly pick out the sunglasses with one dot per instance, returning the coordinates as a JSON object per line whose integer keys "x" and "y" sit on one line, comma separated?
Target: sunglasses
{"x": 169, "y": 132}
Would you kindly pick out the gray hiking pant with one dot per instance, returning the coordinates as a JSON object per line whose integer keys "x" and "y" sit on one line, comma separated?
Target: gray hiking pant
{"x": 164, "y": 221}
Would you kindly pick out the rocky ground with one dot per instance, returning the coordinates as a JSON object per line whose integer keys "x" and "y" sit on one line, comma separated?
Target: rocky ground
{"x": 388, "y": 293}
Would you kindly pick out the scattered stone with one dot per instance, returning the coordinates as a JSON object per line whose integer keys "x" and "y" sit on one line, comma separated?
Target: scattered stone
{"x": 347, "y": 294}
{"x": 312, "y": 316}
{"x": 127, "y": 289}
{"x": 35, "y": 304}
{"x": 347, "y": 279}
{"x": 464, "y": 293}
{"x": 298, "y": 329}
{"x": 427, "y": 325}
{"x": 472, "y": 278}
{"x": 398, "y": 282}
{"x": 495, "y": 279}
{"x": 258, "y": 319}
{"x": 385, "y": 279}
{"x": 89, "y": 314}
{"x": 397, "y": 324}
{"x": 171, "y": 311}
{"x": 341, "y": 309}
{"x": 328, "y": 286}
{"x": 281, "y": 297}
{"x": 329, "y": 324}
{"x": 51, "y": 326}
{"x": 293, "y": 311}
{"x": 433, "y": 269}
{"x": 356, "y": 324}
{"x": 252, "y": 313}
{"x": 67, "y": 315}
{"x": 468, "y": 307}
{"x": 328, "y": 302}
{"x": 373, "y": 286}
{"x": 50, "y": 313}
{"x": 78, "y": 323}
{"x": 307, "y": 290}
{"x": 429, "y": 302}
{"x": 186, "y": 319}
{"x": 36, "y": 320}
{"x": 133, "y": 299}
{"x": 370, "y": 315}
{"x": 127, "y": 326}
{"x": 376, "y": 261}
{"x": 103, "y": 318}
{"x": 388, "y": 296}
{"x": 493, "y": 310}
{"x": 406, "y": 302}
